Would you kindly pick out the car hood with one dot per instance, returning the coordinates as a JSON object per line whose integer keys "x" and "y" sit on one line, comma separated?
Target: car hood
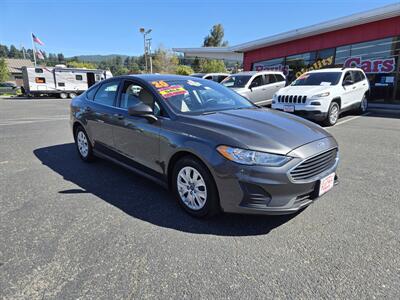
{"x": 309, "y": 90}
{"x": 259, "y": 129}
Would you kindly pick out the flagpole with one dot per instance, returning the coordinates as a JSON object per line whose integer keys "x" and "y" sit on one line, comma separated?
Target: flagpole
{"x": 33, "y": 49}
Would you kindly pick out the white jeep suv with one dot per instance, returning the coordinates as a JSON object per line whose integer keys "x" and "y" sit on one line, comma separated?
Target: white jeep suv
{"x": 321, "y": 95}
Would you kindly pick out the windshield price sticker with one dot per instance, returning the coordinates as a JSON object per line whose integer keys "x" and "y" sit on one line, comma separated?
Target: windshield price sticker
{"x": 171, "y": 91}
{"x": 160, "y": 84}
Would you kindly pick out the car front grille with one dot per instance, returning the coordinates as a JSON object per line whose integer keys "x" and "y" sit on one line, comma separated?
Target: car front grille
{"x": 297, "y": 99}
{"x": 314, "y": 166}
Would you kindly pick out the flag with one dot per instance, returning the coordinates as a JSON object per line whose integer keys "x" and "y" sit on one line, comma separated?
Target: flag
{"x": 39, "y": 54}
{"x": 36, "y": 40}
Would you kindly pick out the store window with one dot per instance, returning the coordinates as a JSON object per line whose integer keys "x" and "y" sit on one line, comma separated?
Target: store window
{"x": 276, "y": 64}
{"x": 379, "y": 60}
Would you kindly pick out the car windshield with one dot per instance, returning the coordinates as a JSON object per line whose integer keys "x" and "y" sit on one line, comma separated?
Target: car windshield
{"x": 196, "y": 97}
{"x": 318, "y": 78}
{"x": 236, "y": 81}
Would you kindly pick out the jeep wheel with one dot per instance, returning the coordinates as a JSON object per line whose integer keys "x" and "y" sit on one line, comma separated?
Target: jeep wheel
{"x": 333, "y": 114}
{"x": 362, "y": 109}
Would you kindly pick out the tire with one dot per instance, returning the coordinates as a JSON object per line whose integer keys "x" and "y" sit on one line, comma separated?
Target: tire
{"x": 72, "y": 95}
{"x": 200, "y": 201}
{"x": 362, "y": 109}
{"x": 333, "y": 114}
{"x": 83, "y": 145}
{"x": 63, "y": 95}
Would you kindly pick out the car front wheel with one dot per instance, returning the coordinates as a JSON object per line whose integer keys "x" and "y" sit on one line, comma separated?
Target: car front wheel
{"x": 333, "y": 114}
{"x": 195, "y": 188}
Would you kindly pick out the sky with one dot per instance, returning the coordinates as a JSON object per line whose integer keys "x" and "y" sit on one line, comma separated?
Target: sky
{"x": 84, "y": 27}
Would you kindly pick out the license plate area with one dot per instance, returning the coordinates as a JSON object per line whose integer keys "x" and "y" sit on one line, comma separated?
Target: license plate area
{"x": 326, "y": 184}
{"x": 288, "y": 108}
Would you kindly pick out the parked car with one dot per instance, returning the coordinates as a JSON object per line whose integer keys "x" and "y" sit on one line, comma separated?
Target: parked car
{"x": 323, "y": 94}
{"x": 8, "y": 88}
{"x": 217, "y": 77}
{"x": 212, "y": 147}
{"x": 258, "y": 87}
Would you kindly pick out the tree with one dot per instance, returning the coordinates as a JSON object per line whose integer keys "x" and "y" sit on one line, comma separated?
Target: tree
{"x": 215, "y": 38}
{"x": 164, "y": 61}
{"x": 60, "y": 58}
{"x": 213, "y": 66}
{"x": 14, "y": 52}
{"x": 196, "y": 65}
{"x": 183, "y": 70}
{"x": 4, "y": 74}
{"x": 81, "y": 65}
{"x": 3, "y": 51}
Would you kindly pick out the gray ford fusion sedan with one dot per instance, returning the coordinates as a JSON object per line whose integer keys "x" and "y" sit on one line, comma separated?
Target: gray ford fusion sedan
{"x": 215, "y": 150}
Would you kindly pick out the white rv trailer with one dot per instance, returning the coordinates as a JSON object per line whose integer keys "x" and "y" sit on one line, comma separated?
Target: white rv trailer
{"x": 60, "y": 80}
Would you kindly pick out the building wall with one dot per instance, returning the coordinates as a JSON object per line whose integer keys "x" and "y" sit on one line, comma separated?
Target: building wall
{"x": 356, "y": 34}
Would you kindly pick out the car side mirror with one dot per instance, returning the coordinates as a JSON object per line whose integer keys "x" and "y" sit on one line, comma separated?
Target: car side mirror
{"x": 142, "y": 110}
{"x": 348, "y": 82}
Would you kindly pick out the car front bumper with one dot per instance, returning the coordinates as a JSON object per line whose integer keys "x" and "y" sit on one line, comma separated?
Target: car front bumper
{"x": 311, "y": 112}
{"x": 270, "y": 190}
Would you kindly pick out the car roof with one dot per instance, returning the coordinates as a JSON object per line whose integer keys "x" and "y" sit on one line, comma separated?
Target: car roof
{"x": 155, "y": 77}
{"x": 251, "y": 73}
{"x": 335, "y": 70}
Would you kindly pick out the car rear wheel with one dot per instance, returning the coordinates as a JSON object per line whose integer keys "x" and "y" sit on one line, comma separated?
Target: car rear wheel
{"x": 362, "y": 109}
{"x": 83, "y": 145}
{"x": 63, "y": 95}
{"x": 333, "y": 114}
{"x": 72, "y": 95}
{"x": 195, "y": 188}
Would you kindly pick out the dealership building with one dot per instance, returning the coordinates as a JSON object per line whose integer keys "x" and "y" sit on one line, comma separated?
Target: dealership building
{"x": 369, "y": 40}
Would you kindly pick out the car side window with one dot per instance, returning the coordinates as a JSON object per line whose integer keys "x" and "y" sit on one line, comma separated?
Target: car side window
{"x": 347, "y": 76}
{"x": 91, "y": 92}
{"x": 209, "y": 77}
{"x": 269, "y": 78}
{"x": 257, "y": 81}
{"x": 279, "y": 77}
{"x": 356, "y": 76}
{"x": 221, "y": 77}
{"x": 106, "y": 93}
{"x": 133, "y": 94}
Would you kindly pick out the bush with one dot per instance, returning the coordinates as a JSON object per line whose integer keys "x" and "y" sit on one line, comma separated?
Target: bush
{"x": 184, "y": 70}
{"x": 212, "y": 66}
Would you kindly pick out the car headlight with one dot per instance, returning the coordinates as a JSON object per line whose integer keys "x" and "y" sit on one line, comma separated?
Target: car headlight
{"x": 250, "y": 157}
{"x": 325, "y": 94}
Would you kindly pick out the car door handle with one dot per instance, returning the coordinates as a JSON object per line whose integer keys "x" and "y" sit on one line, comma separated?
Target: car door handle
{"x": 354, "y": 87}
{"x": 119, "y": 116}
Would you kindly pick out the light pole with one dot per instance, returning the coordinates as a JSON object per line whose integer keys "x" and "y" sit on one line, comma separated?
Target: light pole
{"x": 149, "y": 53}
{"x": 145, "y": 33}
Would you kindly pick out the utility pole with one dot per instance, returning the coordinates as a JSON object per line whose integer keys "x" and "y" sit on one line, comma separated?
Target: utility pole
{"x": 145, "y": 33}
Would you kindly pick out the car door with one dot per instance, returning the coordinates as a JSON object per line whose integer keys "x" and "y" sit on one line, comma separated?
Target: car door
{"x": 136, "y": 137}
{"x": 99, "y": 115}
{"x": 256, "y": 89}
{"x": 360, "y": 84}
{"x": 349, "y": 90}
{"x": 271, "y": 86}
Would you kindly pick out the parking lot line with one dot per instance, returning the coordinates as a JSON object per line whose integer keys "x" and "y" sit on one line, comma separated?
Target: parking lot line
{"x": 350, "y": 119}
{"x": 22, "y": 121}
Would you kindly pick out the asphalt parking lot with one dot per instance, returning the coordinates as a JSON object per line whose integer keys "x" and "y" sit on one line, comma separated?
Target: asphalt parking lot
{"x": 75, "y": 230}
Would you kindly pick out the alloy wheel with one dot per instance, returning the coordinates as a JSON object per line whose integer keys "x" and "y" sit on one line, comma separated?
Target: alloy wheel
{"x": 82, "y": 143}
{"x": 192, "y": 188}
{"x": 333, "y": 114}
